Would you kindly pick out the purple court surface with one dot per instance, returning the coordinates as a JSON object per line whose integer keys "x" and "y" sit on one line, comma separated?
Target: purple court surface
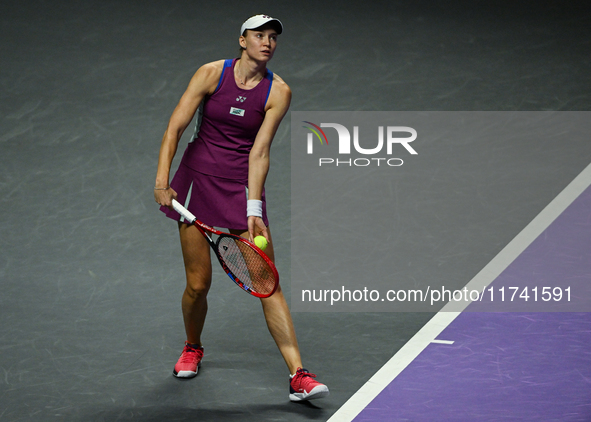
{"x": 508, "y": 366}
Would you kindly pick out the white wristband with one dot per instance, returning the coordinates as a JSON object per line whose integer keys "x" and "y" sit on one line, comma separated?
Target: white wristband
{"x": 254, "y": 207}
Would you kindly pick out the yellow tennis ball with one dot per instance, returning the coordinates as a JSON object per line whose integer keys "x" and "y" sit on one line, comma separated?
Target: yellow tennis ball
{"x": 261, "y": 242}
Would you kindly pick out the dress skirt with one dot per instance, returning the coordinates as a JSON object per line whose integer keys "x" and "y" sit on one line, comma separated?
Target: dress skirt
{"x": 215, "y": 201}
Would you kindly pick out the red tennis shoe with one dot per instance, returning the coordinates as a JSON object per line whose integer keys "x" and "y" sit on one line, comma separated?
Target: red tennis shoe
{"x": 302, "y": 386}
{"x": 189, "y": 362}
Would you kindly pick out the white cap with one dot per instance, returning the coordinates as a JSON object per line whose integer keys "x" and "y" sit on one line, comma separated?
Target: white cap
{"x": 260, "y": 20}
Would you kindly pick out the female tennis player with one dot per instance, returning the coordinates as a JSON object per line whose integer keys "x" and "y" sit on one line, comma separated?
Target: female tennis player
{"x": 221, "y": 178}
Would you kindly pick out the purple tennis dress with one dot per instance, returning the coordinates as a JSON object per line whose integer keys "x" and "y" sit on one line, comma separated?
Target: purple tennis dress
{"x": 212, "y": 178}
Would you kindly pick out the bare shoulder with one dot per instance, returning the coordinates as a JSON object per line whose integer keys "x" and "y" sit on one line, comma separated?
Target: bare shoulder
{"x": 212, "y": 67}
{"x": 207, "y": 76}
{"x": 280, "y": 95}
{"x": 280, "y": 84}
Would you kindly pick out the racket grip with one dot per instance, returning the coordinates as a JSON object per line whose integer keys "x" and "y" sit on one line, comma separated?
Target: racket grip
{"x": 183, "y": 211}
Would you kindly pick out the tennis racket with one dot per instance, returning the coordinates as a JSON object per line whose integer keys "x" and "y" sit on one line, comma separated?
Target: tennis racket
{"x": 243, "y": 261}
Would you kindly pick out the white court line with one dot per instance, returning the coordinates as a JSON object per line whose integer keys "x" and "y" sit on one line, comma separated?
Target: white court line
{"x": 428, "y": 334}
{"x": 443, "y": 342}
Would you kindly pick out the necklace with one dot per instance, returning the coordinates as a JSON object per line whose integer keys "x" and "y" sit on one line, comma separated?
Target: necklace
{"x": 243, "y": 80}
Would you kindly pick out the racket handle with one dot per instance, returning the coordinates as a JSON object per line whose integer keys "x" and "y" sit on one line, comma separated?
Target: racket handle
{"x": 183, "y": 211}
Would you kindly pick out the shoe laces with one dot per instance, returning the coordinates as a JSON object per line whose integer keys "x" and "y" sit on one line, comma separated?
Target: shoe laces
{"x": 301, "y": 374}
{"x": 190, "y": 354}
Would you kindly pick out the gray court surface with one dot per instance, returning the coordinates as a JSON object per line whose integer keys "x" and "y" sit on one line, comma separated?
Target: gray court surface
{"x": 90, "y": 270}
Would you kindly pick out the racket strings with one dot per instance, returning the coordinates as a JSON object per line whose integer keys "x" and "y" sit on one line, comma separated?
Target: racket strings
{"x": 246, "y": 264}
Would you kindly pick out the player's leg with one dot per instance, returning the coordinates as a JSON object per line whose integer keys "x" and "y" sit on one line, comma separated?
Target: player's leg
{"x": 194, "y": 301}
{"x": 198, "y": 274}
{"x": 280, "y": 324}
{"x": 279, "y": 319}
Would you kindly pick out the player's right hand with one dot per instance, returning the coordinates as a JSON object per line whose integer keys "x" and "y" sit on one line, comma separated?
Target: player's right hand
{"x": 164, "y": 197}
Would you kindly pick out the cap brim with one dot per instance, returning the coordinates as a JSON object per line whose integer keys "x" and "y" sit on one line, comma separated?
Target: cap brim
{"x": 257, "y": 22}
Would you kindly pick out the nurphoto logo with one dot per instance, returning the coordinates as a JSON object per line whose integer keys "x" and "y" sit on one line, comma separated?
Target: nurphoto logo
{"x": 391, "y": 137}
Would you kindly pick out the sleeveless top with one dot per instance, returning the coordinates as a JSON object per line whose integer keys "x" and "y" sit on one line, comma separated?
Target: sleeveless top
{"x": 227, "y": 126}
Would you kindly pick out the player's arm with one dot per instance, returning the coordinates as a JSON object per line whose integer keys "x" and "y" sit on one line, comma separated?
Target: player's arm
{"x": 259, "y": 159}
{"x": 202, "y": 83}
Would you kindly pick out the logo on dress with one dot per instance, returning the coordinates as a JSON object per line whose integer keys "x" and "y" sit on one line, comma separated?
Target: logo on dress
{"x": 236, "y": 111}
{"x": 241, "y": 98}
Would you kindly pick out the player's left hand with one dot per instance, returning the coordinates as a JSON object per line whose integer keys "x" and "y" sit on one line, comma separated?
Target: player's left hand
{"x": 256, "y": 227}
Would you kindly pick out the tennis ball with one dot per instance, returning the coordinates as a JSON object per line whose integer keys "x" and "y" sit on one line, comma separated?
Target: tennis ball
{"x": 261, "y": 242}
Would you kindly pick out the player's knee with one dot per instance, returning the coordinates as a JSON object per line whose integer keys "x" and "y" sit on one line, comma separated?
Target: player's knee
{"x": 197, "y": 289}
{"x": 198, "y": 282}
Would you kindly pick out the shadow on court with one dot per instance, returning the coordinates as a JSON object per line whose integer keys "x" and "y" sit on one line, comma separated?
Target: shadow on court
{"x": 254, "y": 412}
{"x": 158, "y": 406}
